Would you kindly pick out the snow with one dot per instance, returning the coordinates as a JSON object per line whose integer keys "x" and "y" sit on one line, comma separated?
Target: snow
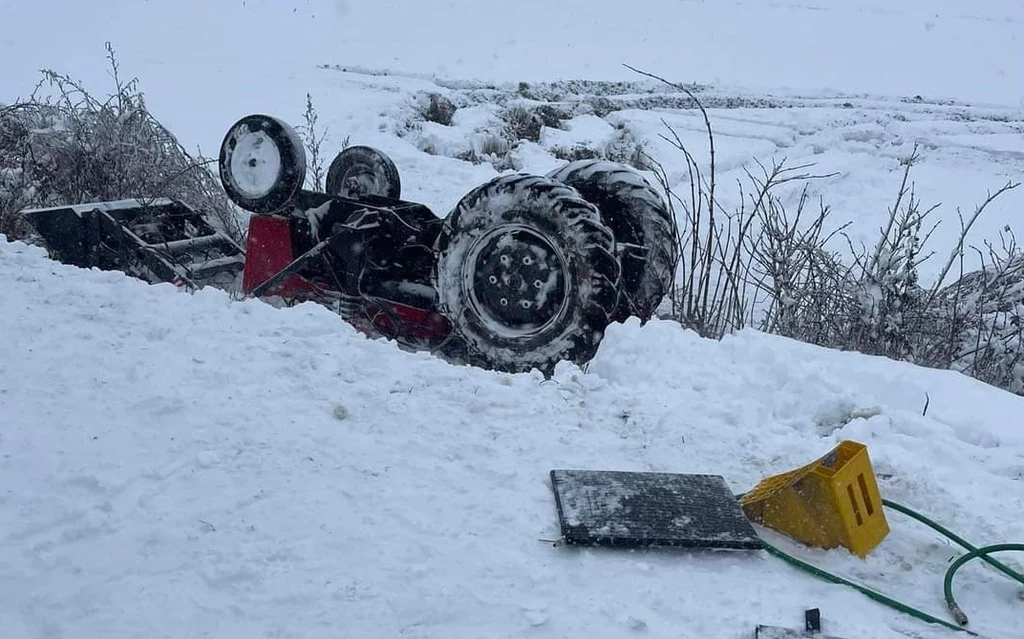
{"x": 584, "y": 130}
{"x": 847, "y": 86}
{"x": 935, "y": 48}
{"x": 180, "y": 465}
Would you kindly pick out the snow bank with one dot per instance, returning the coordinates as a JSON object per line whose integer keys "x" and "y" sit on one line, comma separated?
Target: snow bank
{"x": 176, "y": 465}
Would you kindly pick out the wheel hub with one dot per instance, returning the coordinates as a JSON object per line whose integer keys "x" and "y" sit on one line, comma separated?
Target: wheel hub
{"x": 360, "y": 181}
{"x": 255, "y": 163}
{"x": 518, "y": 280}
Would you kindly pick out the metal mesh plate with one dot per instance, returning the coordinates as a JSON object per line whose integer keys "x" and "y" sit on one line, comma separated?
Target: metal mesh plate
{"x": 627, "y": 509}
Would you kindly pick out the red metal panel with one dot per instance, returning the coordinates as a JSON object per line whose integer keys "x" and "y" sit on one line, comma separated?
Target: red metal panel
{"x": 268, "y": 250}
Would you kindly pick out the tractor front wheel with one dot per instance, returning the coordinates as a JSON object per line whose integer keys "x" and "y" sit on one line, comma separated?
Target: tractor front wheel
{"x": 359, "y": 171}
{"x": 262, "y": 164}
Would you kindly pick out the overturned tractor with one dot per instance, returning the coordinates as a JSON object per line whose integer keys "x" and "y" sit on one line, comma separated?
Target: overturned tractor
{"x": 526, "y": 271}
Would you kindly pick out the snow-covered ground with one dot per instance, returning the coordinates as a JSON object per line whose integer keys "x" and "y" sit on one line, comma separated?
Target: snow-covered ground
{"x": 183, "y": 466}
{"x": 178, "y": 465}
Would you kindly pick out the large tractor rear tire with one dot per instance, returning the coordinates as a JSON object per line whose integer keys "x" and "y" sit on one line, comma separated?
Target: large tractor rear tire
{"x": 643, "y": 227}
{"x": 527, "y": 274}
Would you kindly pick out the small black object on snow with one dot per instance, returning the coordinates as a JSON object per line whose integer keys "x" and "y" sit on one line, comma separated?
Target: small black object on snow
{"x": 812, "y": 628}
{"x": 812, "y": 620}
{"x": 639, "y": 509}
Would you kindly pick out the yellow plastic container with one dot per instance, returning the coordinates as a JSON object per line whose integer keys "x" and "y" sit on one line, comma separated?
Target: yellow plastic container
{"x": 831, "y": 502}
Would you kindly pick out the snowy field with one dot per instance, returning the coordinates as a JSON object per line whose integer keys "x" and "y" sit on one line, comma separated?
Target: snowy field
{"x": 177, "y": 465}
{"x": 848, "y": 86}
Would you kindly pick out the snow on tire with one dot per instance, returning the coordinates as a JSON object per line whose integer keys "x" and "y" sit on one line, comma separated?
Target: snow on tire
{"x": 527, "y": 275}
{"x": 643, "y": 227}
{"x": 262, "y": 163}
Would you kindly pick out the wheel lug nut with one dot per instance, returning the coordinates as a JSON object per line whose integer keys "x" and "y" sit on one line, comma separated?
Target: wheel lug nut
{"x": 492, "y": 279}
{"x": 537, "y": 284}
{"x": 526, "y": 304}
{"x": 504, "y": 302}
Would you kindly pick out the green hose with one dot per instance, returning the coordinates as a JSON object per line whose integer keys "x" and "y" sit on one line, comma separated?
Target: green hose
{"x": 877, "y": 596}
{"x": 973, "y": 553}
{"x": 947, "y": 584}
{"x": 955, "y": 538}
{"x": 954, "y": 608}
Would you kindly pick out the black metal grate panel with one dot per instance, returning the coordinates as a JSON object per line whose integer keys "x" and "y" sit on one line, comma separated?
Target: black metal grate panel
{"x": 629, "y": 509}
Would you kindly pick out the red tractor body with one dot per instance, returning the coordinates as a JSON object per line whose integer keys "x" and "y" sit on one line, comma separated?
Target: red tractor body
{"x": 526, "y": 270}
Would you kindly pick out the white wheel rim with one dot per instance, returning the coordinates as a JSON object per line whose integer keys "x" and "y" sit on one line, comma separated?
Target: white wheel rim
{"x": 255, "y": 163}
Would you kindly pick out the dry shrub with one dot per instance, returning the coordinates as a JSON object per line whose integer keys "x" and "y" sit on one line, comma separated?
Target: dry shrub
{"x": 763, "y": 266}
{"x": 65, "y": 146}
